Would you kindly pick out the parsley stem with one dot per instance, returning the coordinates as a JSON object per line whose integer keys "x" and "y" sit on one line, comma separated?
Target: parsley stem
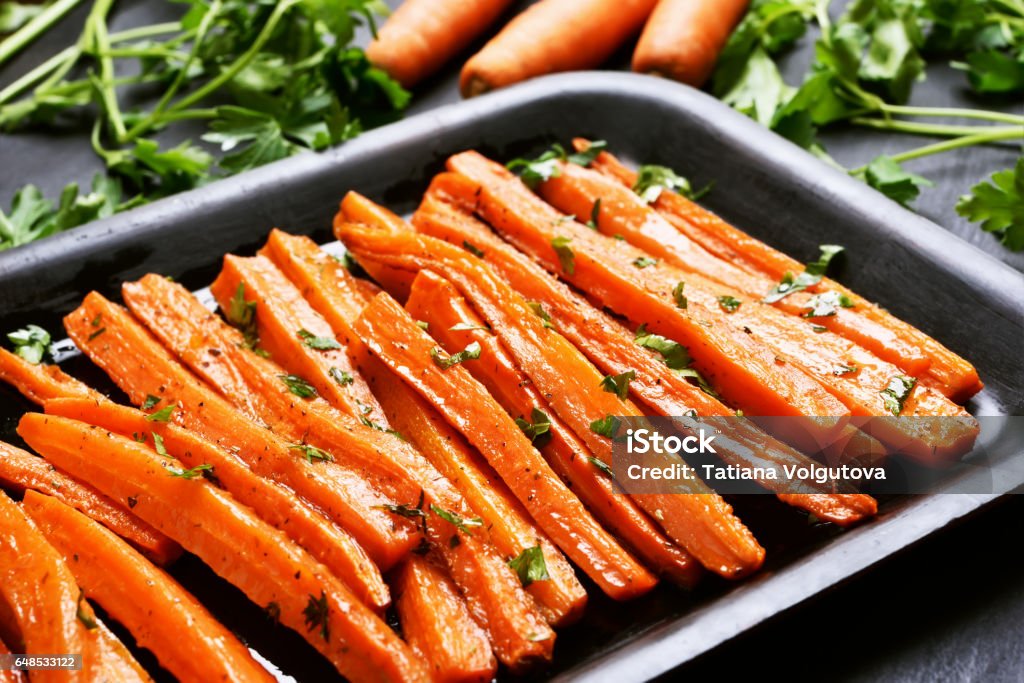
{"x": 1000, "y": 133}
{"x": 954, "y": 112}
{"x": 100, "y": 47}
{"x": 225, "y": 76}
{"x": 935, "y": 129}
{"x": 67, "y": 57}
{"x": 38, "y": 25}
{"x": 204, "y": 26}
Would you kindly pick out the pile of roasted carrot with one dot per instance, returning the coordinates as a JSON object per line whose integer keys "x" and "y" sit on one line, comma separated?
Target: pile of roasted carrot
{"x": 431, "y": 443}
{"x": 681, "y": 39}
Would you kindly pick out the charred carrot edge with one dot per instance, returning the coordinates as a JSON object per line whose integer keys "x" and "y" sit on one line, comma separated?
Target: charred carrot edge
{"x": 273, "y": 503}
{"x": 340, "y": 298}
{"x": 393, "y": 336}
{"x": 438, "y": 627}
{"x": 161, "y": 615}
{"x": 173, "y": 312}
{"x": 422, "y": 35}
{"x": 9, "y": 675}
{"x": 21, "y": 471}
{"x": 745, "y": 372}
{"x": 552, "y": 36}
{"x": 682, "y": 38}
{"x": 38, "y": 383}
{"x": 509, "y": 528}
{"x": 45, "y": 609}
{"x": 437, "y": 302}
{"x": 296, "y": 335}
{"x": 701, "y": 521}
{"x": 816, "y": 353}
{"x": 948, "y": 372}
{"x": 445, "y": 214}
{"x": 141, "y": 367}
{"x": 258, "y": 559}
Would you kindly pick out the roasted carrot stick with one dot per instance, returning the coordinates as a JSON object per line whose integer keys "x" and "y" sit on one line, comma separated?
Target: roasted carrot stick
{"x": 21, "y": 471}
{"x": 422, "y": 35}
{"x": 445, "y": 214}
{"x": 172, "y": 312}
{"x": 258, "y": 559}
{"x": 273, "y": 503}
{"x": 742, "y": 370}
{"x": 142, "y": 368}
{"x": 393, "y": 336}
{"x": 45, "y": 609}
{"x": 552, "y": 36}
{"x": 817, "y": 352}
{"x": 625, "y": 214}
{"x": 296, "y": 335}
{"x": 701, "y": 522}
{"x": 161, "y": 615}
{"x": 561, "y": 598}
{"x": 947, "y": 372}
{"x": 9, "y": 675}
{"x": 438, "y": 627}
{"x": 38, "y": 383}
{"x": 455, "y": 325}
{"x": 682, "y": 38}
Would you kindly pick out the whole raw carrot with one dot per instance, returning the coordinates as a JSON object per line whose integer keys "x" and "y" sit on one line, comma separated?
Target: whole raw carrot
{"x": 438, "y": 626}
{"x": 21, "y": 471}
{"x": 161, "y": 615}
{"x": 272, "y": 571}
{"x": 682, "y": 38}
{"x": 44, "y": 607}
{"x": 422, "y": 35}
{"x": 552, "y": 36}
{"x": 274, "y": 503}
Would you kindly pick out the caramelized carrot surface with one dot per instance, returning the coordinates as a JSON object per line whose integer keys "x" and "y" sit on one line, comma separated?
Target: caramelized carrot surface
{"x": 946, "y": 371}
{"x": 742, "y": 370}
{"x": 437, "y": 625}
{"x": 384, "y": 458}
{"x": 273, "y": 503}
{"x": 45, "y": 612}
{"x": 560, "y": 371}
{"x": 21, "y": 471}
{"x": 296, "y": 335}
{"x": 258, "y": 559}
{"x": 455, "y": 325}
{"x": 143, "y": 368}
{"x": 161, "y": 615}
{"x": 393, "y": 336}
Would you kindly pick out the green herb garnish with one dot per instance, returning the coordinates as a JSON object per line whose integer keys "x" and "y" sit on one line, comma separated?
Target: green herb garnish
{"x": 618, "y": 384}
{"x": 530, "y": 566}
{"x": 298, "y": 386}
{"x": 318, "y": 343}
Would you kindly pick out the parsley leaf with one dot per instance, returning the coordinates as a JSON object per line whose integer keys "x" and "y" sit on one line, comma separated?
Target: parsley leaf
{"x": 340, "y": 376}
{"x": 30, "y": 343}
{"x": 463, "y": 524}
{"x": 544, "y": 167}
{"x": 998, "y": 204}
{"x": 318, "y": 343}
{"x": 537, "y": 429}
{"x": 538, "y": 310}
{"x": 896, "y": 393}
{"x": 311, "y": 453}
{"x": 601, "y": 464}
{"x": 813, "y": 272}
{"x": 242, "y": 315}
{"x": 150, "y": 402}
{"x": 566, "y": 256}
{"x": 298, "y": 386}
{"x": 826, "y": 304}
{"x": 644, "y": 261}
{"x": 472, "y": 249}
{"x": 678, "y": 296}
{"x": 471, "y": 352}
{"x": 587, "y": 156}
{"x": 530, "y": 566}
{"x": 729, "y": 304}
{"x": 618, "y": 384}
{"x": 651, "y": 180}
{"x": 673, "y": 354}
{"x": 607, "y": 426}
{"x": 192, "y": 472}
{"x": 889, "y": 178}
{"x": 162, "y": 415}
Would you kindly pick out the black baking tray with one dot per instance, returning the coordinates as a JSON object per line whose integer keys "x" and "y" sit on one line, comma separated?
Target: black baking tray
{"x": 762, "y": 183}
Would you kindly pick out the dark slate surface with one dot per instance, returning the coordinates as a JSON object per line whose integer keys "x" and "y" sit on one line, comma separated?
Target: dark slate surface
{"x": 950, "y": 609}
